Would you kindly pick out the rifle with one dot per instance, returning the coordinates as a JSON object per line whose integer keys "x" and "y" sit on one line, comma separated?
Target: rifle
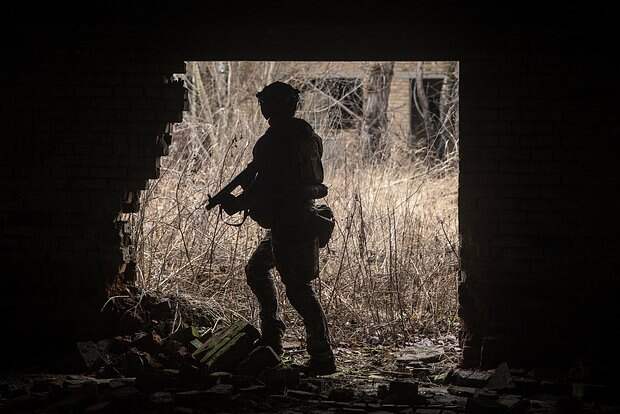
{"x": 242, "y": 179}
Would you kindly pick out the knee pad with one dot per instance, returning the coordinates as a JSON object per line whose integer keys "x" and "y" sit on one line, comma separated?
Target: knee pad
{"x": 255, "y": 275}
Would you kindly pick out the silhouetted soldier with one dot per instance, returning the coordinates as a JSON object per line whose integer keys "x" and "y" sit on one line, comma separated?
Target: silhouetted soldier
{"x": 280, "y": 183}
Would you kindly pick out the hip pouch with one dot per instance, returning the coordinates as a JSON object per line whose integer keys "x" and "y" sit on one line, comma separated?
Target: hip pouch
{"x": 323, "y": 221}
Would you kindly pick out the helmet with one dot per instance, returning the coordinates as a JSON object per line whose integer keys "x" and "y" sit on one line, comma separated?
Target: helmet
{"x": 279, "y": 92}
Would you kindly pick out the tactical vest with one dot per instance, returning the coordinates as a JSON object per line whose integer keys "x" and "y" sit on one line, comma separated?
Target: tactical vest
{"x": 289, "y": 157}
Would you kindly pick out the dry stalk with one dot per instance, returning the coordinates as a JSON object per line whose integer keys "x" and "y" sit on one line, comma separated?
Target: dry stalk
{"x": 391, "y": 266}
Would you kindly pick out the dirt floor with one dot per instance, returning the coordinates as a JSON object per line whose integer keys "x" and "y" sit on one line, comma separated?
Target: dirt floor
{"x": 370, "y": 380}
{"x": 141, "y": 371}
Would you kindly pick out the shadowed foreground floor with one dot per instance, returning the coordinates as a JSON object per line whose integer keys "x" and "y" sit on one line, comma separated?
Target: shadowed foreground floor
{"x": 141, "y": 370}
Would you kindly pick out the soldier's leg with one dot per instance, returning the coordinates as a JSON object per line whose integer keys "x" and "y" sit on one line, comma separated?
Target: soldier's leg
{"x": 260, "y": 282}
{"x": 298, "y": 264}
{"x": 304, "y": 300}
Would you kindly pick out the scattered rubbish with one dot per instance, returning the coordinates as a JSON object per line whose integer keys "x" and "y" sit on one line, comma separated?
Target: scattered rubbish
{"x": 172, "y": 367}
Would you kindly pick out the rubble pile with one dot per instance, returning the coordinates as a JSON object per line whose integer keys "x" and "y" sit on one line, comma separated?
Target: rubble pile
{"x": 284, "y": 389}
{"x": 229, "y": 370}
{"x": 193, "y": 370}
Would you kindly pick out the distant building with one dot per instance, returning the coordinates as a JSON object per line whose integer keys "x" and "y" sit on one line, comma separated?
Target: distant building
{"x": 343, "y": 81}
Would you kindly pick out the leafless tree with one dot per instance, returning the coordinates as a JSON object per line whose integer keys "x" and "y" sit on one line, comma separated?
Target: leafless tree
{"x": 441, "y": 129}
{"x": 376, "y": 97}
{"x": 449, "y": 111}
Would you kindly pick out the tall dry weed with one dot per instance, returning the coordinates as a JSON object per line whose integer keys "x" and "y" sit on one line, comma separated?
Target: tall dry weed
{"x": 390, "y": 270}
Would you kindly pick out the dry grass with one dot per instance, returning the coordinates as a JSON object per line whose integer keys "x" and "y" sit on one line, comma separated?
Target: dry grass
{"x": 390, "y": 270}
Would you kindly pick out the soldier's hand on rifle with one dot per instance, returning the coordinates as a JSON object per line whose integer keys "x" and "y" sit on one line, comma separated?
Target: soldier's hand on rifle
{"x": 229, "y": 204}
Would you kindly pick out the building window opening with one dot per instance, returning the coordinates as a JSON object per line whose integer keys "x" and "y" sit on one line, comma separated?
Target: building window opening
{"x": 338, "y": 102}
{"x": 432, "y": 91}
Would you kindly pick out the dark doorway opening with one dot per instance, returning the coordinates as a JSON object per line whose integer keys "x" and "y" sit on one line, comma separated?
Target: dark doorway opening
{"x": 432, "y": 87}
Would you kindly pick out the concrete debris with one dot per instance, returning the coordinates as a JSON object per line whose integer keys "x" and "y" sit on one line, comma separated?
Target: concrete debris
{"x": 260, "y": 358}
{"x": 302, "y": 395}
{"x": 420, "y": 353}
{"x": 89, "y": 351}
{"x": 279, "y": 379}
{"x": 253, "y": 391}
{"x": 525, "y": 385}
{"x": 226, "y": 349}
{"x": 341, "y": 394}
{"x": 594, "y": 392}
{"x": 148, "y": 342}
{"x": 402, "y": 392}
{"x": 311, "y": 385}
{"x": 195, "y": 370}
{"x": 218, "y": 396}
{"x": 101, "y": 407}
{"x": 161, "y": 398}
{"x": 555, "y": 387}
{"x": 220, "y": 377}
{"x": 128, "y": 392}
{"x": 189, "y": 333}
{"x": 469, "y": 378}
{"x": 134, "y": 362}
{"x": 511, "y": 405}
{"x": 501, "y": 379}
{"x": 158, "y": 379}
{"x": 242, "y": 380}
{"x": 116, "y": 345}
{"x": 461, "y": 391}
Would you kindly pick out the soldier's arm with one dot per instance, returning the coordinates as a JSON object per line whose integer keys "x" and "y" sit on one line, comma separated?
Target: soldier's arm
{"x": 234, "y": 204}
{"x": 249, "y": 175}
{"x": 311, "y": 163}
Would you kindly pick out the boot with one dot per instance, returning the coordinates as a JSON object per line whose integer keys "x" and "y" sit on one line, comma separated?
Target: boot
{"x": 272, "y": 336}
{"x": 319, "y": 366}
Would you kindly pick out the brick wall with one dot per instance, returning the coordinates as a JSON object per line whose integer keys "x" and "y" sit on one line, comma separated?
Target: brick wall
{"x": 86, "y": 134}
{"x": 537, "y": 205}
{"x": 399, "y": 106}
{"x": 536, "y": 210}
{"x": 400, "y": 99}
